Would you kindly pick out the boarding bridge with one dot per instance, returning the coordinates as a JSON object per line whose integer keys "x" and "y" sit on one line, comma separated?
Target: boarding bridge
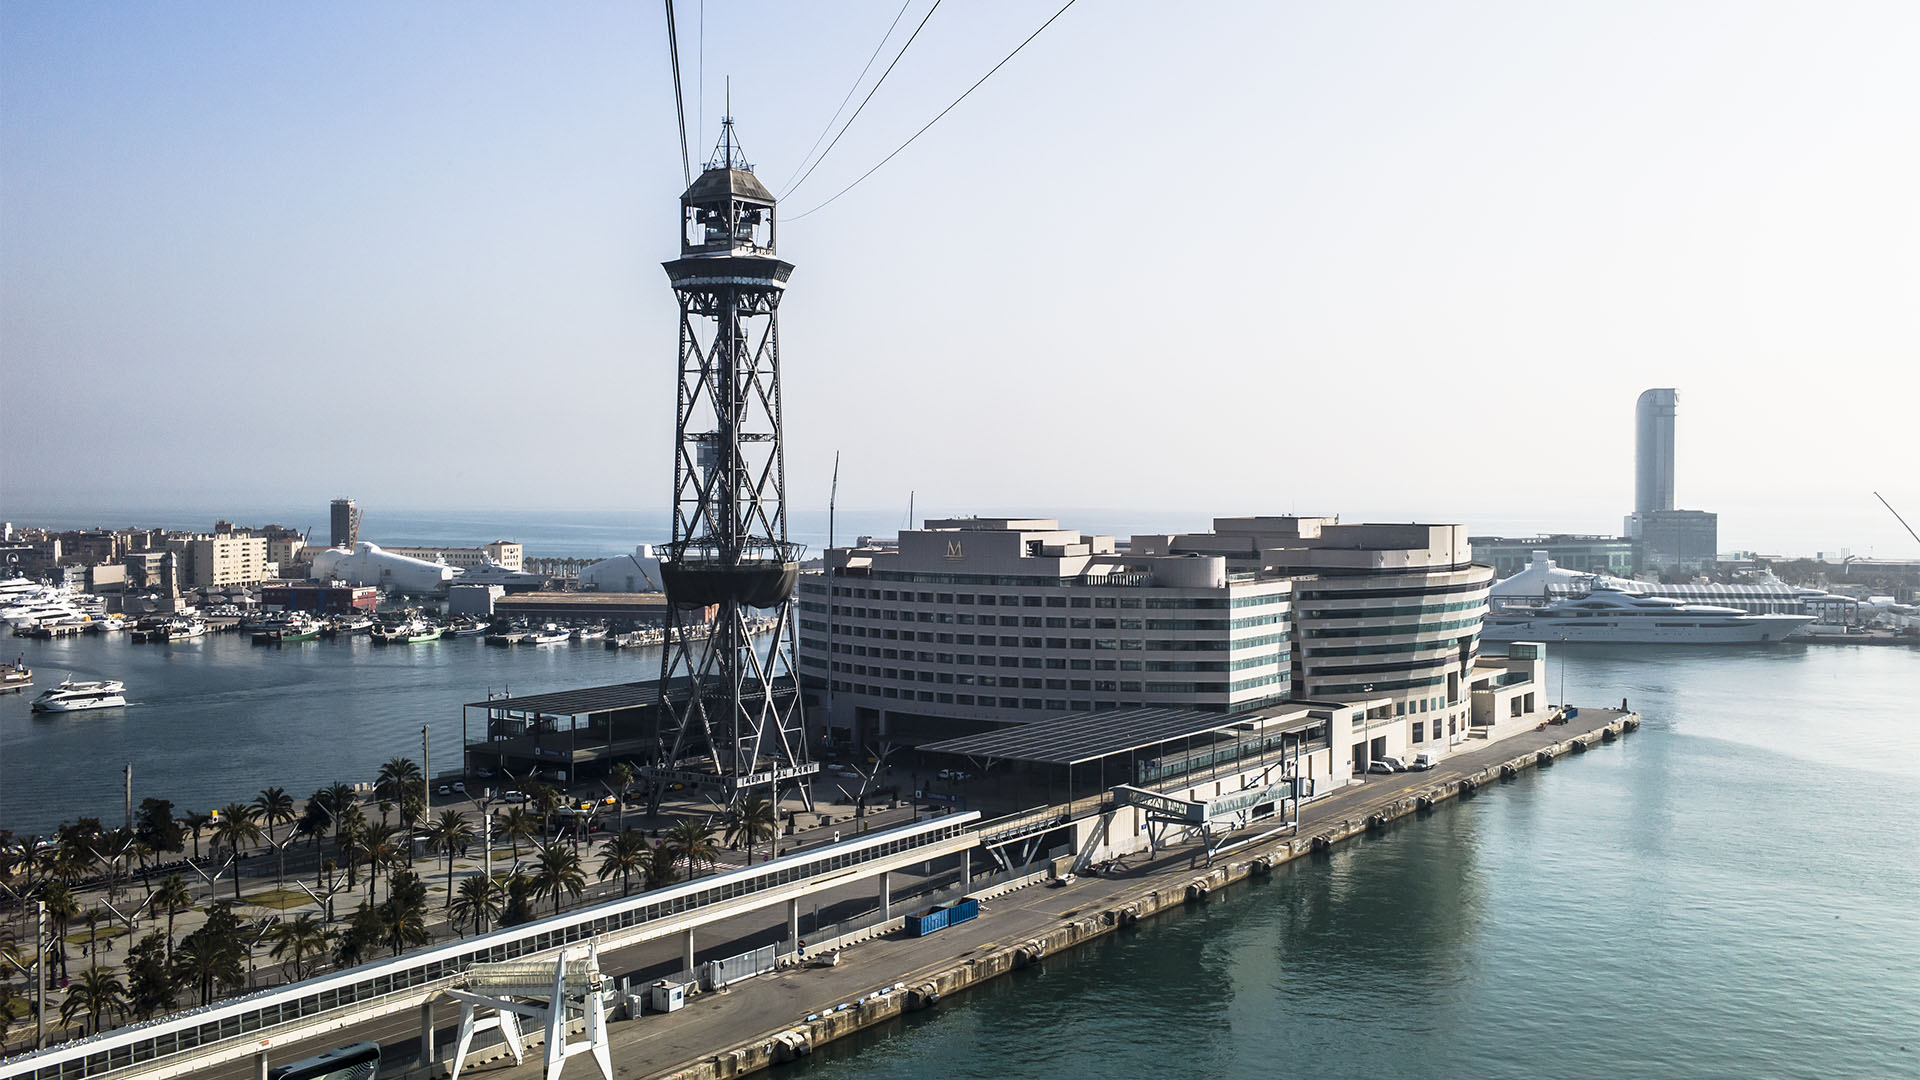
{"x": 1212, "y": 819}
{"x": 185, "y": 1042}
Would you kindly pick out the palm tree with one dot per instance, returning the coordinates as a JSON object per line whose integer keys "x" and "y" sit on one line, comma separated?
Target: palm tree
{"x": 172, "y": 896}
{"x": 692, "y": 842}
{"x": 623, "y": 776}
{"x": 350, "y": 843}
{"x": 382, "y": 849}
{"x": 236, "y": 829}
{"x": 398, "y": 778}
{"x": 412, "y": 809}
{"x": 451, "y": 833}
{"x": 403, "y": 918}
{"x": 299, "y": 940}
{"x": 478, "y": 900}
{"x": 558, "y": 871}
{"x": 95, "y": 993}
{"x": 341, "y": 798}
{"x": 753, "y": 819}
{"x": 519, "y": 825}
{"x": 93, "y": 918}
{"x": 317, "y": 819}
{"x": 662, "y": 865}
{"x": 625, "y": 853}
{"x": 195, "y": 821}
{"x": 274, "y": 805}
{"x": 62, "y": 909}
{"x": 211, "y": 955}
{"x": 544, "y": 800}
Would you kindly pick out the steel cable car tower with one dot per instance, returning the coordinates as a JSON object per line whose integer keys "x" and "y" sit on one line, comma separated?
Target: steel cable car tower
{"x": 730, "y": 718}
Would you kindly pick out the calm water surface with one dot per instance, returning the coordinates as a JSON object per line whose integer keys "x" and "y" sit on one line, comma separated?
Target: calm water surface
{"x": 218, "y": 718}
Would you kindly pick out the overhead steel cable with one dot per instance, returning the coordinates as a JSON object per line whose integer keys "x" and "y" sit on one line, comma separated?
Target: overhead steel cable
{"x": 943, "y": 112}
{"x": 863, "y": 101}
{"x": 858, "y": 79}
{"x": 679, "y": 99}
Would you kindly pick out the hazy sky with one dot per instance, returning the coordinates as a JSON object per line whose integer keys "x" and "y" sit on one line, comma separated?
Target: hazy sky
{"x": 1387, "y": 260}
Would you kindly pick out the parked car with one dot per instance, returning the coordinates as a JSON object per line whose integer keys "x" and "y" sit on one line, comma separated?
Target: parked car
{"x": 513, "y": 796}
{"x": 459, "y": 787}
{"x": 443, "y": 789}
{"x": 1398, "y": 764}
{"x": 1423, "y": 762}
{"x": 1379, "y": 765}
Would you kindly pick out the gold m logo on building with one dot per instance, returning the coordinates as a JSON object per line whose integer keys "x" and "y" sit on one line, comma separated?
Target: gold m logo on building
{"x": 954, "y": 551}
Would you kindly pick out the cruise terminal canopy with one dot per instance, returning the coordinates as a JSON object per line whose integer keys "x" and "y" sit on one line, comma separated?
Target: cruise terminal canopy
{"x": 1080, "y": 738}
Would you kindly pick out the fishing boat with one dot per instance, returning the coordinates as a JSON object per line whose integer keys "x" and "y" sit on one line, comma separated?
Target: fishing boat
{"x": 548, "y": 635}
{"x": 465, "y": 627}
{"x": 589, "y": 633}
{"x": 16, "y": 677}
{"x": 425, "y": 632}
{"x": 72, "y": 696}
{"x": 295, "y": 626}
{"x": 506, "y": 634}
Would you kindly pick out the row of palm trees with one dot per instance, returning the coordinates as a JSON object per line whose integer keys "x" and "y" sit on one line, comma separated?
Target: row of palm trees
{"x": 206, "y": 960}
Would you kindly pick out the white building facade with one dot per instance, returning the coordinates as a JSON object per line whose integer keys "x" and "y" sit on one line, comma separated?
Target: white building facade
{"x": 970, "y": 622}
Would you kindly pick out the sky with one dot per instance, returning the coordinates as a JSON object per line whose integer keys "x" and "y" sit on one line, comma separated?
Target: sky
{"x": 1391, "y": 260}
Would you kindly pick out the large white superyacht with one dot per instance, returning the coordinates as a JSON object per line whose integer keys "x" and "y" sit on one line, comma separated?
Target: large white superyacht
{"x": 1613, "y": 616}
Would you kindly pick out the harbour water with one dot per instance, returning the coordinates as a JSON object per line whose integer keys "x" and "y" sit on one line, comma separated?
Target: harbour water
{"x": 217, "y": 718}
{"x": 1729, "y": 893}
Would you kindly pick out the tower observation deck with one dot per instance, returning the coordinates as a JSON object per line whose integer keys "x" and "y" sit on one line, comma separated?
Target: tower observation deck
{"x": 731, "y": 721}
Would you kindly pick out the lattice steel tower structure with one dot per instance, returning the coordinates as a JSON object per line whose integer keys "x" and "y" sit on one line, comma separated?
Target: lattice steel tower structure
{"x": 730, "y": 718}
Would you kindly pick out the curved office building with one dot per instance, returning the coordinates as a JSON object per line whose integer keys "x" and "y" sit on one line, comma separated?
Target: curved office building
{"x": 1389, "y": 614}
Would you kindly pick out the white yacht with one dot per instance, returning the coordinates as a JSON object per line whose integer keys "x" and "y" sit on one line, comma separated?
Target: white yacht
{"x": 492, "y": 573}
{"x": 72, "y": 696}
{"x": 1613, "y": 616}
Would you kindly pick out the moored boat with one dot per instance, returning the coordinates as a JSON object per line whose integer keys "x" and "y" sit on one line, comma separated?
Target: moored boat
{"x": 1614, "y": 616}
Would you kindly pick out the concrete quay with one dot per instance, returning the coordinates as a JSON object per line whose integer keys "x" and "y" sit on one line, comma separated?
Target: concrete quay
{"x": 785, "y": 1014}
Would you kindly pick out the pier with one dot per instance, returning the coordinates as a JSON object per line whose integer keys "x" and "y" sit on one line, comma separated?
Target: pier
{"x": 840, "y": 982}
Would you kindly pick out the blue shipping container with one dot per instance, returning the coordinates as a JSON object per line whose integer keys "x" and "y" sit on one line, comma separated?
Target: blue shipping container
{"x": 962, "y": 910}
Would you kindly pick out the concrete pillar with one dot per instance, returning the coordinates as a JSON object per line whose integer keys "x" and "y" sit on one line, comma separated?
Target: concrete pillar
{"x": 686, "y": 951}
{"x": 260, "y": 1065}
{"x": 966, "y": 870}
{"x": 426, "y": 1032}
{"x": 793, "y": 921}
{"x": 886, "y": 894}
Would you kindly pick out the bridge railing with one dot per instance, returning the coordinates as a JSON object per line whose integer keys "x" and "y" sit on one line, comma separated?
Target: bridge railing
{"x": 191, "y": 1034}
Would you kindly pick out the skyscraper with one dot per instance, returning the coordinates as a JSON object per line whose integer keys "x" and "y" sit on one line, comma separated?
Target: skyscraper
{"x": 1653, "y": 451}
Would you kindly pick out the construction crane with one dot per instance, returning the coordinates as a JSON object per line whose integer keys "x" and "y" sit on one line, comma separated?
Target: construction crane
{"x": 1897, "y": 517}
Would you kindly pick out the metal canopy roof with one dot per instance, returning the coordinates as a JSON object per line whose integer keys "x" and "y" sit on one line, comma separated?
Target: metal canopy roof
{"x": 591, "y": 699}
{"x": 1090, "y": 736}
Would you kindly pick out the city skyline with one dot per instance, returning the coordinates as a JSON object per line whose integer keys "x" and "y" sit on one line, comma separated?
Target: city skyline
{"x": 279, "y": 255}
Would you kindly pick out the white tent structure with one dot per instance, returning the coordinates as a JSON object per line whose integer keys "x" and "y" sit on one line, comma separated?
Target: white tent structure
{"x": 635, "y": 573}
{"x": 366, "y": 564}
